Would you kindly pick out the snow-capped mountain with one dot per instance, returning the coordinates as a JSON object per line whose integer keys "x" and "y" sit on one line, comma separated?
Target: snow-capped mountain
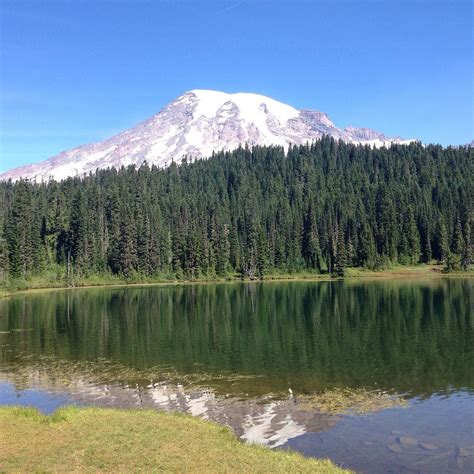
{"x": 194, "y": 125}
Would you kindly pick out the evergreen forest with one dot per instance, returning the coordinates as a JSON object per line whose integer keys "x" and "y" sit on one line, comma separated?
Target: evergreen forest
{"x": 321, "y": 207}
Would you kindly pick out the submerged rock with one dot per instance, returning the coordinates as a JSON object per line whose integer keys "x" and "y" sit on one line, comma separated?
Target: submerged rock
{"x": 394, "y": 447}
{"x": 428, "y": 446}
{"x": 408, "y": 441}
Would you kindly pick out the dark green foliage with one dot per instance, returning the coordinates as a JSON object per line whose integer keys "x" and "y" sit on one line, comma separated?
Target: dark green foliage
{"x": 21, "y": 231}
{"x": 340, "y": 260}
{"x": 311, "y": 248}
{"x": 441, "y": 241}
{"x": 323, "y": 207}
{"x": 466, "y": 255}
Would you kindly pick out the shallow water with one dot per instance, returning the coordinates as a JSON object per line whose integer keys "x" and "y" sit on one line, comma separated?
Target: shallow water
{"x": 433, "y": 435}
{"x": 245, "y": 355}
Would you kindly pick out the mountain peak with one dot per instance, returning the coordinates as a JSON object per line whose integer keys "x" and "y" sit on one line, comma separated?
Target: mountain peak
{"x": 195, "y": 125}
{"x": 210, "y": 102}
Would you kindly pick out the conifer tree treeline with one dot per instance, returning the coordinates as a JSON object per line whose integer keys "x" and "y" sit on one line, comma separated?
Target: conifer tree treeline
{"x": 321, "y": 207}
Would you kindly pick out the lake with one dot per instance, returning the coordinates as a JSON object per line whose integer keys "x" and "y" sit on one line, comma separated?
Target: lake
{"x": 266, "y": 359}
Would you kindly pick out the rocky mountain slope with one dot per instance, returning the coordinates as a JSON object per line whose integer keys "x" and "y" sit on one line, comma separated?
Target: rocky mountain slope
{"x": 194, "y": 125}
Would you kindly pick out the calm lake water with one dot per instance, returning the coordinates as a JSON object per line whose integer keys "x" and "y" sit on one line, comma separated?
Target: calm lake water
{"x": 247, "y": 355}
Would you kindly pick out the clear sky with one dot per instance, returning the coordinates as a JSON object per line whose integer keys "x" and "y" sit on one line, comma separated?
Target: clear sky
{"x": 74, "y": 72}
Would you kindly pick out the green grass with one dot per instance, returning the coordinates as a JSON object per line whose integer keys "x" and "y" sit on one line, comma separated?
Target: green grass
{"x": 95, "y": 439}
{"x": 408, "y": 271}
{"x": 54, "y": 278}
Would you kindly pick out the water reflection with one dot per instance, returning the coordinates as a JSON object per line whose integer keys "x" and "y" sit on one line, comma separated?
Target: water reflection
{"x": 410, "y": 337}
{"x": 268, "y": 422}
{"x": 246, "y": 355}
{"x": 434, "y": 435}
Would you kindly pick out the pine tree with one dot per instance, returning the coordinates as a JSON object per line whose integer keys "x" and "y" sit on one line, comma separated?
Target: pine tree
{"x": 366, "y": 252}
{"x": 128, "y": 250}
{"x": 425, "y": 239}
{"x": 262, "y": 258}
{"x": 310, "y": 243}
{"x": 251, "y": 250}
{"x": 223, "y": 251}
{"x": 466, "y": 255}
{"x": 114, "y": 223}
{"x": 442, "y": 246}
{"x": 77, "y": 246}
{"x": 458, "y": 240}
{"x": 166, "y": 252}
{"x": 19, "y": 232}
{"x": 340, "y": 261}
{"x": 4, "y": 263}
{"x": 413, "y": 236}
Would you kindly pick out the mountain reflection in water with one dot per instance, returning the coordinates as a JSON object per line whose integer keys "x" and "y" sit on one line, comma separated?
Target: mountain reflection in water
{"x": 247, "y": 355}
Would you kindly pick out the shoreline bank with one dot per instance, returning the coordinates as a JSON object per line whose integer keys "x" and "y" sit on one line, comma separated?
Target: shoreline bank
{"x": 352, "y": 274}
{"x": 93, "y": 439}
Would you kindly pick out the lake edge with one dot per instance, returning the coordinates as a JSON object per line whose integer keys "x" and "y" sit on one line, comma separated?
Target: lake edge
{"x": 394, "y": 273}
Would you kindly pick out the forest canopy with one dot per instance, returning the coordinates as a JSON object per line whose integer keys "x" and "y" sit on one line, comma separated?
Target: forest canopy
{"x": 320, "y": 207}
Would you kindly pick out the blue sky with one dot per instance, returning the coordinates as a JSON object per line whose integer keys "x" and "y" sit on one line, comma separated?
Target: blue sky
{"x": 74, "y": 72}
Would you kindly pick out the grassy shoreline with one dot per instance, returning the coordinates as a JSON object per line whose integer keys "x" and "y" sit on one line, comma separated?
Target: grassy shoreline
{"x": 40, "y": 284}
{"x": 112, "y": 440}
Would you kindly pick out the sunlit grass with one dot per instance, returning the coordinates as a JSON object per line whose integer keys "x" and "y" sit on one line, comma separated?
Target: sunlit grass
{"x": 55, "y": 279}
{"x": 94, "y": 439}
